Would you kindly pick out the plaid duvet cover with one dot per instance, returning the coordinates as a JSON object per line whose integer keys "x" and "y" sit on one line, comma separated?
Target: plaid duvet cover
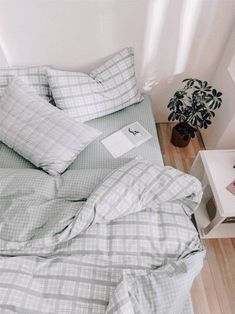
{"x": 125, "y": 246}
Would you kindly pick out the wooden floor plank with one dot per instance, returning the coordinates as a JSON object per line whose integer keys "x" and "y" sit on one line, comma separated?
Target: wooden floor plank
{"x": 203, "y": 305}
{"x": 213, "y": 291}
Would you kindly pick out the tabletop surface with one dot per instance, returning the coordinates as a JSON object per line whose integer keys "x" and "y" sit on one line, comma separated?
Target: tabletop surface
{"x": 218, "y": 165}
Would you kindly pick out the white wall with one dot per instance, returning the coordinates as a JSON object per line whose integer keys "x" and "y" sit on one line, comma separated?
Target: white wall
{"x": 79, "y": 34}
{"x": 74, "y": 34}
{"x": 227, "y": 140}
{"x": 221, "y": 133}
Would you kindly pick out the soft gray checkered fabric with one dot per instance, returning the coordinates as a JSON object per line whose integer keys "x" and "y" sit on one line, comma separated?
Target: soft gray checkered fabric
{"x": 107, "y": 89}
{"x": 141, "y": 184}
{"x": 136, "y": 186}
{"x": 57, "y": 257}
{"x": 164, "y": 290}
{"x": 36, "y": 76}
{"x": 40, "y": 132}
{"x": 96, "y": 156}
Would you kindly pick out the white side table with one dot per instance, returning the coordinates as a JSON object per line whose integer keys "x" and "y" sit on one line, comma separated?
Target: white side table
{"x": 215, "y": 216}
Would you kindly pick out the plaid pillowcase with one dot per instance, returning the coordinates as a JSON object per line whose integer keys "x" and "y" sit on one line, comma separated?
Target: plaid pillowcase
{"x": 41, "y": 133}
{"x": 36, "y": 76}
{"x": 107, "y": 89}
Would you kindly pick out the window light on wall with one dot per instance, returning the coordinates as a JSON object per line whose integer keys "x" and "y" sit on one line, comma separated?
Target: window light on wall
{"x": 3, "y": 60}
{"x": 231, "y": 68}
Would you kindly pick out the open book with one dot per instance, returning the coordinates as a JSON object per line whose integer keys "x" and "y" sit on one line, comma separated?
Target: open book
{"x": 125, "y": 139}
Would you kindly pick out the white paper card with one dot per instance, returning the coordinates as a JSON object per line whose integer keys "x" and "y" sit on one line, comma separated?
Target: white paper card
{"x": 125, "y": 139}
{"x": 117, "y": 144}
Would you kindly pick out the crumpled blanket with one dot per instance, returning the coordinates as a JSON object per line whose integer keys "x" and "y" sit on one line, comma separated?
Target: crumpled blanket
{"x": 133, "y": 232}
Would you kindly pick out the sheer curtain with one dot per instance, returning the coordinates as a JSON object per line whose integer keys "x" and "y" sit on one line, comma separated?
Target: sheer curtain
{"x": 182, "y": 38}
{"x": 170, "y": 32}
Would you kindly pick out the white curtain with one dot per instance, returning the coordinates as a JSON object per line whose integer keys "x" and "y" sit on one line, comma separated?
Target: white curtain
{"x": 183, "y": 38}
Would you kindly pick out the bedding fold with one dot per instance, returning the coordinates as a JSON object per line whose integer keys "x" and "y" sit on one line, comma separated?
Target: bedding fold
{"x": 41, "y": 211}
{"x": 119, "y": 243}
{"x": 164, "y": 290}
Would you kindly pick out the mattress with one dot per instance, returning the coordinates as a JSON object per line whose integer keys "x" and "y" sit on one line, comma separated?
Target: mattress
{"x": 95, "y": 156}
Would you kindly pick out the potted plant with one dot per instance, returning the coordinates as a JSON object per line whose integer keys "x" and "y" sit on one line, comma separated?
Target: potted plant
{"x": 193, "y": 106}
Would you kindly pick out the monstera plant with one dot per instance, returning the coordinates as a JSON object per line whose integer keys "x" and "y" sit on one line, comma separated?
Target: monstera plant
{"x": 193, "y": 107}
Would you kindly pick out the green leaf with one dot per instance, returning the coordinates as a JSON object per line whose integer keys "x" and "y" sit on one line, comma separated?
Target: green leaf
{"x": 204, "y": 84}
{"x": 214, "y": 92}
{"x": 171, "y": 116}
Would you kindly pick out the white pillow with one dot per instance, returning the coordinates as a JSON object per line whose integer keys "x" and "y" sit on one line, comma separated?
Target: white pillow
{"x": 34, "y": 75}
{"x": 41, "y": 133}
{"x": 107, "y": 89}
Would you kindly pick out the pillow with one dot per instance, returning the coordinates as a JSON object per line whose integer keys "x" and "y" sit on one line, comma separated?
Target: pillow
{"x": 41, "y": 133}
{"x": 107, "y": 89}
{"x": 36, "y": 76}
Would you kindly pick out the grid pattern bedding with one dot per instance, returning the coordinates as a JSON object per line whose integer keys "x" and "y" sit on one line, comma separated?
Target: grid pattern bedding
{"x": 83, "y": 274}
{"x": 95, "y": 156}
{"x": 40, "y": 132}
{"x": 108, "y": 88}
{"x": 83, "y": 265}
{"x": 35, "y": 75}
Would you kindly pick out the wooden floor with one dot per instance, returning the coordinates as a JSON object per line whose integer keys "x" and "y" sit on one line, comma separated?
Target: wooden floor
{"x": 213, "y": 291}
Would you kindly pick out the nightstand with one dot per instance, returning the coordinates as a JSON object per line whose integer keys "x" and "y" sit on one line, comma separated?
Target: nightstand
{"x": 215, "y": 216}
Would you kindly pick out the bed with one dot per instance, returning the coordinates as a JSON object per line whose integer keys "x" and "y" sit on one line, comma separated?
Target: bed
{"x": 95, "y": 162}
{"x": 107, "y": 235}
